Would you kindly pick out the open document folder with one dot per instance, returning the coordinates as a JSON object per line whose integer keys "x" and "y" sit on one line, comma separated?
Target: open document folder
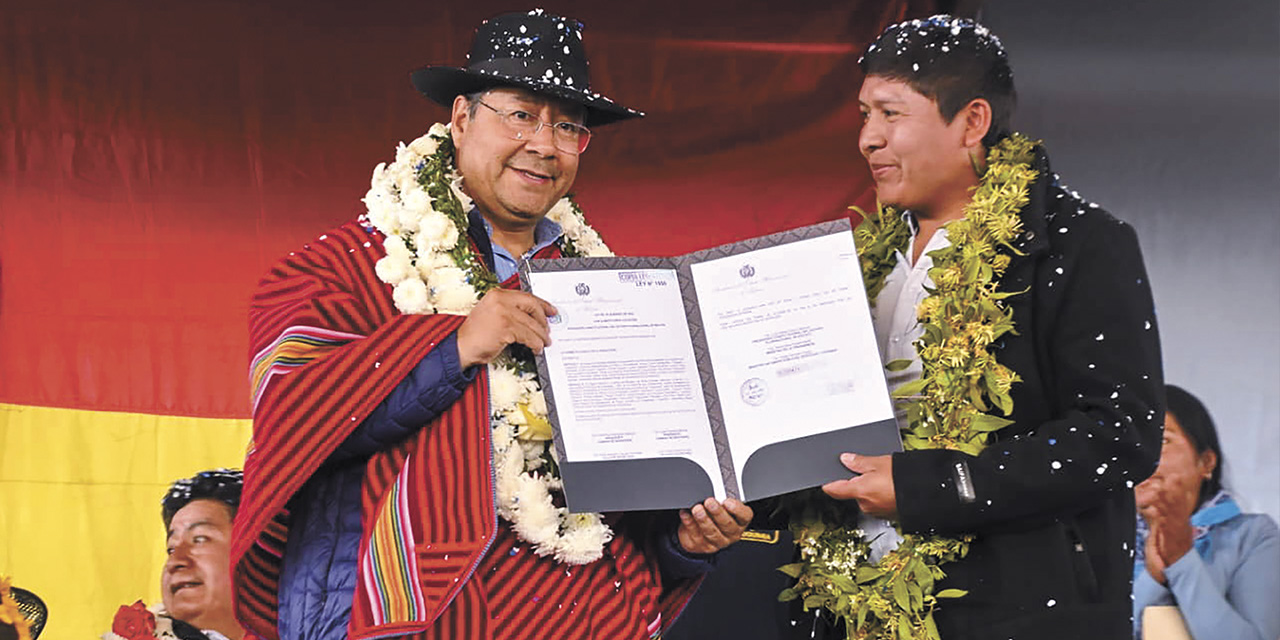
{"x": 739, "y": 371}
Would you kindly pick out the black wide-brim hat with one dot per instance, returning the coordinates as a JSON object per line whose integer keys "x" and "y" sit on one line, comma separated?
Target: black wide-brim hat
{"x": 537, "y": 51}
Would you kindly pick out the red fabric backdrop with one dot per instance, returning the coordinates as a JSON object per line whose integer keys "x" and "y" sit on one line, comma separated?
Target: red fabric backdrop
{"x": 157, "y": 156}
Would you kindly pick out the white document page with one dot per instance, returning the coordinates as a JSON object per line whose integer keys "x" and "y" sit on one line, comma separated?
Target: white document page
{"x": 622, "y": 368}
{"x": 792, "y": 343}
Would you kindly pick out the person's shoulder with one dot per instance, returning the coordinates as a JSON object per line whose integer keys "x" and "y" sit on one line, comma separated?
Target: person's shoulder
{"x": 1066, "y": 209}
{"x": 1076, "y": 225}
{"x": 1257, "y": 525}
{"x": 351, "y": 237}
{"x": 1245, "y": 535}
{"x": 353, "y": 234}
{"x": 344, "y": 252}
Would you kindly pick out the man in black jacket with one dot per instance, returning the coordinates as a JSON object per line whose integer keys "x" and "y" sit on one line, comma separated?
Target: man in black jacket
{"x": 1048, "y": 501}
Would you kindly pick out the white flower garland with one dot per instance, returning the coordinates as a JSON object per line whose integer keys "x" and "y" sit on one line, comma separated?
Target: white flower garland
{"x": 433, "y": 270}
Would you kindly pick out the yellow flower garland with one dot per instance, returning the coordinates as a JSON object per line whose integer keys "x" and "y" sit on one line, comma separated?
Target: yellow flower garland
{"x": 946, "y": 408}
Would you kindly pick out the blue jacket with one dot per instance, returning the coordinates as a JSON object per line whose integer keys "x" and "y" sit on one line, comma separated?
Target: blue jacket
{"x": 1227, "y": 587}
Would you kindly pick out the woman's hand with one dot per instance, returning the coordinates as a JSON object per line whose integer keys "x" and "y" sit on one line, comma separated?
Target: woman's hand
{"x": 1167, "y": 507}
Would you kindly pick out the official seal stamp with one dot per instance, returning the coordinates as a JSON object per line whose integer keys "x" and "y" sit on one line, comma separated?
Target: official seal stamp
{"x": 754, "y": 391}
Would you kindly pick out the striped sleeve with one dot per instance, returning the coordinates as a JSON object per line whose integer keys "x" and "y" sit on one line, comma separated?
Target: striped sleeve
{"x": 327, "y": 347}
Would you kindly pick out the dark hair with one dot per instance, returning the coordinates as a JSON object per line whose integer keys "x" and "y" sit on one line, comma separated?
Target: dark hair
{"x": 951, "y": 61}
{"x": 473, "y": 101}
{"x": 223, "y": 485}
{"x": 1196, "y": 423}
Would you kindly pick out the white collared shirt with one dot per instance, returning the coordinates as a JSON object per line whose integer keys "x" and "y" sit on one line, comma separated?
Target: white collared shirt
{"x": 897, "y": 328}
{"x": 894, "y": 313}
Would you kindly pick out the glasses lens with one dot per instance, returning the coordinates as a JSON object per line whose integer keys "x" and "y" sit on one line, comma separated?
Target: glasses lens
{"x": 568, "y": 137}
{"x": 571, "y": 138}
{"x": 521, "y": 129}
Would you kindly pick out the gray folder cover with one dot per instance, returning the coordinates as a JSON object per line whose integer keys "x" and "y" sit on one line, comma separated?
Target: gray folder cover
{"x": 670, "y": 483}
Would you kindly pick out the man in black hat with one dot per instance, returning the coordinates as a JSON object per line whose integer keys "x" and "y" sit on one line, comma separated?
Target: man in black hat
{"x": 1028, "y": 369}
{"x": 400, "y": 481}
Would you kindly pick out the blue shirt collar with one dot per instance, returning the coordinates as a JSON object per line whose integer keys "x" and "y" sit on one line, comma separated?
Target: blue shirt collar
{"x": 545, "y": 233}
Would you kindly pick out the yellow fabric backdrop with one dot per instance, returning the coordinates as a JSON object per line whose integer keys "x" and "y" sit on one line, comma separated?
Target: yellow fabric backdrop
{"x": 80, "y": 504}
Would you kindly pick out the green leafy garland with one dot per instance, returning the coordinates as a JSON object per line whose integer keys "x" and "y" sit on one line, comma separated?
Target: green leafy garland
{"x": 946, "y": 407}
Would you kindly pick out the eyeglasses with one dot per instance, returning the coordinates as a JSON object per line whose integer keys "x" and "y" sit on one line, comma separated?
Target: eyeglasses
{"x": 568, "y": 137}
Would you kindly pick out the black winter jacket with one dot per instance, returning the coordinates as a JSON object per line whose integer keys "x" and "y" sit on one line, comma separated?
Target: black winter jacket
{"x": 1050, "y": 502}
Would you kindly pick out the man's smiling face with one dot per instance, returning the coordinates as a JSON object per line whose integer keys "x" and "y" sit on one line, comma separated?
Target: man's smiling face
{"x": 196, "y": 581}
{"x": 918, "y": 160}
{"x": 513, "y": 182}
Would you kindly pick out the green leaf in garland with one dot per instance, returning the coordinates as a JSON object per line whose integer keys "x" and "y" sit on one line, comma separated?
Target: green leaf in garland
{"x": 794, "y": 569}
{"x": 975, "y": 397}
{"x": 900, "y": 595}
{"x": 866, "y": 573}
{"x": 931, "y": 628}
{"x": 985, "y": 423}
{"x": 843, "y": 602}
{"x": 915, "y": 415}
{"x": 904, "y": 627}
{"x": 913, "y": 442}
{"x": 951, "y": 593}
{"x": 900, "y": 364}
{"x": 843, "y": 582}
{"x": 1003, "y": 401}
{"x": 926, "y": 579}
{"x": 913, "y": 388}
